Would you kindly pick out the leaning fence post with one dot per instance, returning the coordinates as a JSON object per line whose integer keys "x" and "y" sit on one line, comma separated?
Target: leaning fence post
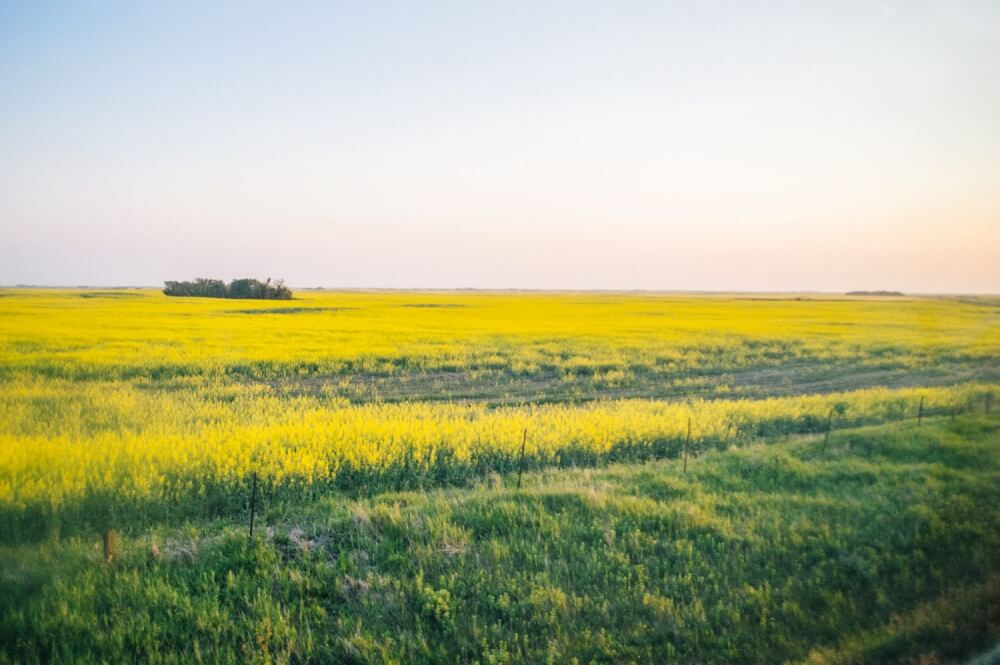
{"x": 989, "y": 396}
{"x": 253, "y": 502}
{"x": 687, "y": 444}
{"x": 920, "y": 411}
{"x": 110, "y": 538}
{"x": 520, "y": 464}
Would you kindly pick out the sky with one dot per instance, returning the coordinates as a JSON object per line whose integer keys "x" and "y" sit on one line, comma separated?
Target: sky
{"x": 775, "y": 146}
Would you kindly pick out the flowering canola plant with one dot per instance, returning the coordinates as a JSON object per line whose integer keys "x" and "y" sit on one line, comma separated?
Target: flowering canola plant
{"x": 150, "y": 446}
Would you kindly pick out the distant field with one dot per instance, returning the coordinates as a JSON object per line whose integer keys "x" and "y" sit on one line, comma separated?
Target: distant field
{"x": 503, "y": 347}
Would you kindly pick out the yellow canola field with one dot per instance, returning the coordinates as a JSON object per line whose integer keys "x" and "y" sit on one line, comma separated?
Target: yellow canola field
{"x": 138, "y": 398}
{"x": 124, "y": 333}
{"x": 138, "y": 445}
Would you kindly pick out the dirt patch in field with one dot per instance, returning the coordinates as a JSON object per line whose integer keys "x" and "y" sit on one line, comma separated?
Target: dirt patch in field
{"x": 290, "y": 310}
{"x": 546, "y": 386}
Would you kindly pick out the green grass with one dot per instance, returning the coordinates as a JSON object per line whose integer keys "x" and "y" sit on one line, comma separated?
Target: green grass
{"x": 883, "y": 548}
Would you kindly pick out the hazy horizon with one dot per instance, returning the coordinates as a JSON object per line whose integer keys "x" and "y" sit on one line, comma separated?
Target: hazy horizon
{"x": 546, "y": 146}
{"x": 500, "y": 289}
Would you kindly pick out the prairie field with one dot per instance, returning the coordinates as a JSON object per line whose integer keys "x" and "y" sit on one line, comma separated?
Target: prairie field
{"x": 841, "y": 496}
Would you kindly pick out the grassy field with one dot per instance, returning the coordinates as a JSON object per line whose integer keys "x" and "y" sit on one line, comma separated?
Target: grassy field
{"x": 884, "y": 548}
{"x": 385, "y": 431}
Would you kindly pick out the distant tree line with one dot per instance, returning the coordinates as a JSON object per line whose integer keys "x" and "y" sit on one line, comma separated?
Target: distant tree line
{"x": 874, "y": 293}
{"x": 247, "y": 288}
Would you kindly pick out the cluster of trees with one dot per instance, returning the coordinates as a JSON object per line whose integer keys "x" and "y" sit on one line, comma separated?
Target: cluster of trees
{"x": 238, "y": 288}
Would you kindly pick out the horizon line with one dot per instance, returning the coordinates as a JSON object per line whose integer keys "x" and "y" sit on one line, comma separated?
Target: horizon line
{"x": 888, "y": 293}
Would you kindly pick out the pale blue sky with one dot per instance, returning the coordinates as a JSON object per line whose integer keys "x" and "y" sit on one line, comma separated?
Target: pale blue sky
{"x": 660, "y": 145}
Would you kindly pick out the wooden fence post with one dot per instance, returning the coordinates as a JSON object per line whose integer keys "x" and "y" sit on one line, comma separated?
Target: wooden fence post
{"x": 110, "y": 538}
{"x": 920, "y": 411}
{"x": 989, "y": 396}
{"x": 520, "y": 464}
{"x": 253, "y": 502}
{"x": 687, "y": 444}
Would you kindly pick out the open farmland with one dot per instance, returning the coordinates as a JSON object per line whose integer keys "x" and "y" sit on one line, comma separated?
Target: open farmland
{"x": 351, "y": 412}
{"x": 501, "y": 347}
